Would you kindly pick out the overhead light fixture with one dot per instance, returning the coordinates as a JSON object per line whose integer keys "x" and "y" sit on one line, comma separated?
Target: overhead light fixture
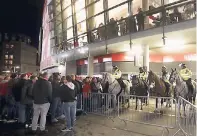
{"x": 164, "y": 40}
{"x": 17, "y": 67}
{"x": 171, "y": 45}
{"x": 6, "y": 71}
{"x": 135, "y": 50}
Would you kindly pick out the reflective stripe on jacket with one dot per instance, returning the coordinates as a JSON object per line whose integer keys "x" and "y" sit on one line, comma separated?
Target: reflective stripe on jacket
{"x": 117, "y": 74}
{"x": 143, "y": 76}
{"x": 185, "y": 74}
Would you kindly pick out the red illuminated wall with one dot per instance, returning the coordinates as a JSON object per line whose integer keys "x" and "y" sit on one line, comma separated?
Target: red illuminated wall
{"x": 153, "y": 58}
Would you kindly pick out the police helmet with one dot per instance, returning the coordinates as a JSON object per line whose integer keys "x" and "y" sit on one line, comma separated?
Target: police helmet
{"x": 141, "y": 68}
{"x": 115, "y": 67}
{"x": 182, "y": 65}
{"x": 164, "y": 67}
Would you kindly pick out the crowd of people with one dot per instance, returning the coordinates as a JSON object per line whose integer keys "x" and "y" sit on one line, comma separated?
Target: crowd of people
{"x": 25, "y": 98}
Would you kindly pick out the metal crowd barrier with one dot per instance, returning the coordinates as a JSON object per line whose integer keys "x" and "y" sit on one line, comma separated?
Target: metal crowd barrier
{"x": 99, "y": 104}
{"x": 79, "y": 102}
{"x": 186, "y": 119}
{"x": 164, "y": 116}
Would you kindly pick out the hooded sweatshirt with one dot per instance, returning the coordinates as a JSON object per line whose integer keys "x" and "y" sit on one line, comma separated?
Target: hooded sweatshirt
{"x": 67, "y": 92}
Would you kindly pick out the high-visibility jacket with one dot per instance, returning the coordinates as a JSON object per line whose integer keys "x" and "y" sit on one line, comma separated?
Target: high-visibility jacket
{"x": 166, "y": 77}
{"x": 117, "y": 73}
{"x": 143, "y": 76}
{"x": 185, "y": 74}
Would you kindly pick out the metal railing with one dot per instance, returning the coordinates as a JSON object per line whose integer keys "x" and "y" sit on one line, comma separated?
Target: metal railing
{"x": 186, "y": 117}
{"x": 158, "y": 112}
{"x": 143, "y": 110}
{"x": 99, "y": 104}
{"x": 164, "y": 15}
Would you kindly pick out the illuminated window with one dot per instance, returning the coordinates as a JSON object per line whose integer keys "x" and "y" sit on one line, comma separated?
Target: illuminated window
{"x": 112, "y": 3}
{"x": 79, "y": 4}
{"x": 69, "y": 33}
{"x": 6, "y": 56}
{"x": 155, "y": 3}
{"x": 95, "y": 9}
{"x": 60, "y": 39}
{"x": 59, "y": 29}
{"x": 10, "y": 62}
{"x": 67, "y": 12}
{"x": 58, "y": 19}
{"x": 81, "y": 28}
{"x": 11, "y": 57}
{"x": 90, "y": 1}
{"x": 80, "y": 16}
{"x": 11, "y": 46}
{"x": 82, "y": 41}
{"x": 6, "y": 61}
{"x": 67, "y": 23}
{"x": 57, "y": 2}
{"x": 117, "y": 13}
{"x": 66, "y": 3}
{"x": 57, "y": 9}
{"x": 96, "y": 21}
{"x": 170, "y": 1}
{"x": 136, "y": 4}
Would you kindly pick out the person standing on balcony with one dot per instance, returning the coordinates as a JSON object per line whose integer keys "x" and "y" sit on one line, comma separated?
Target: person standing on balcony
{"x": 122, "y": 26}
{"x": 140, "y": 19}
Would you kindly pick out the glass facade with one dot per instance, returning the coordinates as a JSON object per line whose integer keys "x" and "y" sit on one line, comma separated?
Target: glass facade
{"x": 75, "y": 23}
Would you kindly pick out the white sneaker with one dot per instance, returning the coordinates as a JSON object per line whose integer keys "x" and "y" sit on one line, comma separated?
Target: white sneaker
{"x": 54, "y": 120}
{"x": 61, "y": 117}
{"x": 66, "y": 130}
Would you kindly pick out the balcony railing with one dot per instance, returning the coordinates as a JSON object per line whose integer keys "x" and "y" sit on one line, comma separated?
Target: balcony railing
{"x": 155, "y": 17}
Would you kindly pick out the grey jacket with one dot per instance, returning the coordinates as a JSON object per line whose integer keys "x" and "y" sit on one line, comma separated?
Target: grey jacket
{"x": 42, "y": 92}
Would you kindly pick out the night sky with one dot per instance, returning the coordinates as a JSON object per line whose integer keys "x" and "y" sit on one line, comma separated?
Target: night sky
{"x": 22, "y": 16}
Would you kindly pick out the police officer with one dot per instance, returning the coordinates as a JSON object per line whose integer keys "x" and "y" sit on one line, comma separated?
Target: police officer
{"x": 118, "y": 76}
{"x": 185, "y": 72}
{"x": 165, "y": 78}
{"x": 142, "y": 74}
{"x": 186, "y": 75}
{"x": 116, "y": 72}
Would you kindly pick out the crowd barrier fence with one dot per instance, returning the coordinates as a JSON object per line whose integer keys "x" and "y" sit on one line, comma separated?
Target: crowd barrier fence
{"x": 142, "y": 110}
{"x": 186, "y": 117}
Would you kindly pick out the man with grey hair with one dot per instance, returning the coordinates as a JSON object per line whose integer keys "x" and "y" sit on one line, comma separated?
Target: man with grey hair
{"x": 42, "y": 96}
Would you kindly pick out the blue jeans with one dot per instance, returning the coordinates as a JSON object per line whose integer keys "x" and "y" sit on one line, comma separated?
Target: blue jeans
{"x": 70, "y": 111}
{"x": 24, "y": 113}
{"x": 56, "y": 108}
{"x": 21, "y": 113}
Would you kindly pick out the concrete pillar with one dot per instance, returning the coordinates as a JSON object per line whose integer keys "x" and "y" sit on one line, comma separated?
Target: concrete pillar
{"x": 90, "y": 66}
{"x": 146, "y": 57}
